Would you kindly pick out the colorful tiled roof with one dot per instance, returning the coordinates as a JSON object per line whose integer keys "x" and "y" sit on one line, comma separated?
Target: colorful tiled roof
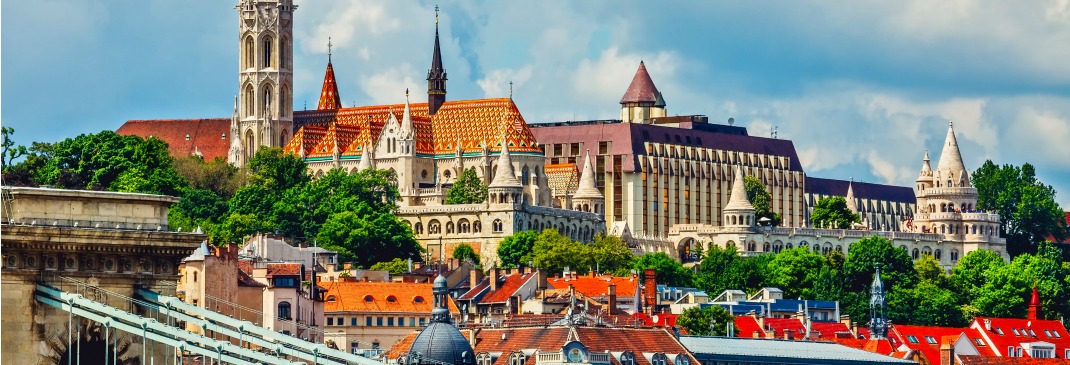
{"x": 927, "y": 339}
{"x": 306, "y": 138}
{"x": 387, "y": 297}
{"x": 562, "y": 178}
{"x": 184, "y": 137}
{"x": 995, "y": 360}
{"x": 597, "y": 286}
{"x": 468, "y": 122}
{"x": 329, "y": 98}
{"x": 641, "y": 89}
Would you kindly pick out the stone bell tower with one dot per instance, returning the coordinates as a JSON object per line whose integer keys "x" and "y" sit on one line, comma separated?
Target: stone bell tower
{"x": 264, "y": 115}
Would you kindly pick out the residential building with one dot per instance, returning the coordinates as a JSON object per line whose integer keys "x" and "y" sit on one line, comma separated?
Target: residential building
{"x": 288, "y": 307}
{"x": 500, "y": 295}
{"x": 269, "y": 247}
{"x": 375, "y": 315}
{"x": 770, "y": 303}
{"x": 616, "y": 294}
{"x": 212, "y": 278}
{"x": 573, "y": 344}
{"x": 739, "y": 351}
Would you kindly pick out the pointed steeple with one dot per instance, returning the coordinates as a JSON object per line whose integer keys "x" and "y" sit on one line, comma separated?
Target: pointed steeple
{"x": 505, "y": 177}
{"x": 235, "y": 115}
{"x": 366, "y": 158}
{"x": 738, "y": 200}
{"x": 642, "y": 89}
{"x": 406, "y": 119}
{"x": 950, "y": 166}
{"x": 436, "y": 76}
{"x": 852, "y": 203}
{"x": 1034, "y": 304}
{"x": 329, "y": 99}
{"x": 878, "y": 326}
{"x": 587, "y": 188}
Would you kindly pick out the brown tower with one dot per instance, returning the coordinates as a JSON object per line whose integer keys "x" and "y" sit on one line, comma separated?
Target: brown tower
{"x": 436, "y": 77}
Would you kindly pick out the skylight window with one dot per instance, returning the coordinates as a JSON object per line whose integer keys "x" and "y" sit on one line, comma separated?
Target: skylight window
{"x": 930, "y": 339}
{"x": 1015, "y": 330}
{"x": 1031, "y": 333}
{"x": 1056, "y": 332}
{"x": 979, "y": 341}
{"x": 912, "y": 339}
{"x": 1047, "y": 333}
{"x": 999, "y": 331}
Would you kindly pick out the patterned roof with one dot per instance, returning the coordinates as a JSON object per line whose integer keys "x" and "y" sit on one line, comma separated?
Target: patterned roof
{"x": 562, "y": 178}
{"x": 329, "y": 98}
{"x": 283, "y": 270}
{"x": 306, "y": 137}
{"x": 209, "y": 137}
{"x": 355, "y": 296}
{"x": 325, "y": 146}
{"x": 641, "y": 89}
{"x": 468, "y": 122}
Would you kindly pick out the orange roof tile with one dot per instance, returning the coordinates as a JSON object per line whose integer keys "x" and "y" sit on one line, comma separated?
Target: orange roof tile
{"x": 305, "y": 138}
{"x": 401, "y": 348}
{"x": 209, "y": 137}
{"x": 597, "y": 286}
{"x": 510, "y": 284}
{"x": 347, "y": 296}
{"x": 469, "y": 122}
{"x": 996, "y": 360}
{"x": 283, "y": 270}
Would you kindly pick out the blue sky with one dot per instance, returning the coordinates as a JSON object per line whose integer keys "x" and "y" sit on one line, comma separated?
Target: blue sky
{"x": 862, "y": 88}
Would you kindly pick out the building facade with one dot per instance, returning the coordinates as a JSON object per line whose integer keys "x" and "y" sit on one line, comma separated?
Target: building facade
{"x": 375, "y": 315}
{"x": 953, "y": 230}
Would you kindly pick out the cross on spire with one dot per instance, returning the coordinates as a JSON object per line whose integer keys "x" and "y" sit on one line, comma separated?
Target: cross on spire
{"x": 436, "y": 15}
{"x": 510, "y": 89}
{"x": 329, "y": 49}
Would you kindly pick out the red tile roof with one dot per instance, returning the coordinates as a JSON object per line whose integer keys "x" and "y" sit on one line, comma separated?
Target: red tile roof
{"x": 994, "y": 360}
{"x": 779, "y": 325}
{"x": 184, "y": 137}
{"x": 1055, "y": 333}
{"x": 929, "y": 338}
{"x": 597, "y": 286}
{"x": 401, "y": 348}
{"x": 346, "y": 296}
{"x": 748, "y": 327}
{"x": 329, "y": 98}
{"x": 283, "y": 270}
{"x": 507, "y": 288}
{"x": 473, "y": 293}
{"x": 467, "y": 122}
{"x": 641, "y": 89}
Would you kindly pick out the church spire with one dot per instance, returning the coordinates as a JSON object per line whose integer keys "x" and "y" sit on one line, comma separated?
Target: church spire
{"x": 505, "y": 177}
{"x": 329, "y": 99}
{"x": 587, "y": 188}
{"x": 738, "y": 200}
{"x": 436, "y": 76}
{"x": 878, "y": 326}
{"x": 950, "y": 166}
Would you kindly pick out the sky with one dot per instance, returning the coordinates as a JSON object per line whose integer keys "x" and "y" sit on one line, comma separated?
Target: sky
{"x": 862, "y": 88}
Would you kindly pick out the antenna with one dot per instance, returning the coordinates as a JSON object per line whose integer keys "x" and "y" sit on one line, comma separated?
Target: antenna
{"x": 731, "y": 121}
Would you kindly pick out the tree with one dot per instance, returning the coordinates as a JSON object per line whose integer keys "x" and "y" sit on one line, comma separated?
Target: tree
{"x": 863, "y": 257}
{"x": 368, "y": 237}
{"x": 927, "y": 304}
{"x": 1027, "y": 208}
{"x": 724, "y": 269}
{"x": 760, "y": 198}
{"x": 217, "y": 176}
{"x": 1007, "y": 288}
{"x": 829, "y": 284}
{"x": 397, "y": 266}
{"x": 667, "y": 270}
{"x": 795, "y": 271}
{"x": 833, "y": 212}
{"x": 968, "y": 276}
{"x": 610, "y": 253}
{"x": 554, "y": 252}
{"x": 275, "y": 170}
{"x": 464, "y": 251}
{"x": 197, "y": 208}
{"x": 469, "y": 189}
{"x": 235, "y": 227}
{"x": 10, "y": 151}
{"x": 515, "y": 250}
{"x": 928, "y": 269}
{"x": 706, "y": 321}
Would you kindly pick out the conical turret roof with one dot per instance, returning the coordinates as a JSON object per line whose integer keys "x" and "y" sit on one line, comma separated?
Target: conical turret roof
{"x": 950, "y": 165}
{"x": 587, "y": 188}
{"x": 329, "y": 99}
{"x": 926, "y": 169}
{"x": 642, "y": 88}
{"x": 366, "y": 158}
{"x": 505, "y": 177}
{"x": 738, "y": 200}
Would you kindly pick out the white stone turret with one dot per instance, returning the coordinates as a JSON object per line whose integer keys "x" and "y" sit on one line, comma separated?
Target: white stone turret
{"x": 739, "y": 212}
{"x": 367, "y": 158}
{"x": 587, "y": 197}
{"x": 950, "y": 172}
{"x": 852, "y": 202}
{"x": 505, "y": 188}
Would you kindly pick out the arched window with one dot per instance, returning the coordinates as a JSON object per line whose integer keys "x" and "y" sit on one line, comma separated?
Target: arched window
{"x": 249, "y": 100}
{"x": 915, "y": 254}
{"x": 517, "y": 358}
{"x": 418, "y": 228}
{"x": 266, "y": 102}
{"x": 249, "y": 55}
{"x": 284, "y": 310}
{"x": 463, "y": 226}
{"x": 498, "y": 226}
{"x": 434, "y": 227}
{"x": 938, "y": 254}
{"x": 265, "y": 55}
{"x": 283, "y": 50}
{"x": 525, "y": 176}
{"x": 477, "y": 227}
{"x": 449, "y": 227}
{"x": 954, "y": 255}
{"x": 627, "y": 358}
{"x": 659, "y": 359}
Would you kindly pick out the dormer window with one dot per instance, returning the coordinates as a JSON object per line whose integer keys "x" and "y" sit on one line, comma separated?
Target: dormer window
{"x": 659, "y": 359}
{"x": 627, "y": 358}
{"x": 517, "y": 358}
{"x": 187, "y": 137}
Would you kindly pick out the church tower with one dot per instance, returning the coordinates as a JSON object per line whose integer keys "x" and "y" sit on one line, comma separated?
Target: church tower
{"x": 436, "y": 77}
{"x": 265, "y": 77}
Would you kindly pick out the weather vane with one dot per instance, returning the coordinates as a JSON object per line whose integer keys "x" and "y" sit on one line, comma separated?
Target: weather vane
{"x": 436, "y": 14}
{"x": 329, "y": 49}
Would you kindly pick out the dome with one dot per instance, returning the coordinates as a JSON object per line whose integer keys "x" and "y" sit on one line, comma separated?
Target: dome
{"x": 441, "y": 343}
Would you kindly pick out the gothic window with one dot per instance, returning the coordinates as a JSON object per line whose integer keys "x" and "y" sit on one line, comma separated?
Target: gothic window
{"x": 265, "y": 56}
{"x": 248, "y": 99}
{"x": 463, "y": 226}
{"x": 248, "y": 55}
{"x": 266, "y": 109}
{"x": 525, "y": 176}
{"x": 927, "y": 251}
{"x": 477, "y": 227}
{"x": 938, "y": 254}
{"x": 498, "y": 226}
{"x": 954, "y": 255}
{"x": 418, "y": 228}
{"x": 915, "y": 254}
{"x": 449, "y": 227}
{"x": 283, "y": 50}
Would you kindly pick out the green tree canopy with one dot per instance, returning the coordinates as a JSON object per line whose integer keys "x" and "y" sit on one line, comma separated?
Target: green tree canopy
{"x": 926, "y": 304}
{"x": 368, "y": 238}
{"x": 610, "y": 253}
{"x": 833, "y": 212}
{"x": 10, "y": 151}
{"x": 465, "y": 252}
{"x": 968, "y": 276}
{"x": 275, "y": 170}
{"x": 469, "y": 189}
{"x": 1007, "y": 288}
{"x": 554, "y": 252}
{"x": 795, "y": 271}
{"x": 760, "y": 198}
{"x": 1027, "y": 208}
{"x": 397, "y": 266}
{"x": 667, "y": 270}
{"x": 217, "y": 176}
{"x": 724, "y": 269}
{"x": 863, "y": 256}
{"x": 928, "y": 269}
{"x": 709, "y": 320}
{"x": 515, "y": 250}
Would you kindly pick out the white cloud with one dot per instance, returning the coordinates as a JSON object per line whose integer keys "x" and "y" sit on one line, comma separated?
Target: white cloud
{"x": 496, "y": 82}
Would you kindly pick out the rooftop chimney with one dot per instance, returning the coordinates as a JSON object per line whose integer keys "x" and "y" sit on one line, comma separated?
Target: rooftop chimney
{"x": 650, "y": 290}
{"x": 789, "y": 335}
{"x": 612, "y": 298}
{"x": 947, "y": 352}
{"x": 494, "y": 279}
{"x": 474, "y": 277}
